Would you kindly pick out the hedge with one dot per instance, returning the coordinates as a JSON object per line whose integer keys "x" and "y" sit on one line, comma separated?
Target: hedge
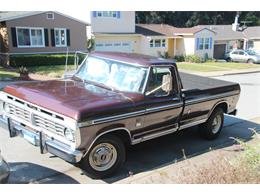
{"x": 42, "y": 60}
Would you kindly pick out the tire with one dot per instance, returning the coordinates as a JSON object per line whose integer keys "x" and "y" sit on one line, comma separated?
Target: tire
{"x": 228, "y": 60}
{"x": 111, "y": 154}
{"x": 212, "y": 127}
{"x": 250, "y": 61}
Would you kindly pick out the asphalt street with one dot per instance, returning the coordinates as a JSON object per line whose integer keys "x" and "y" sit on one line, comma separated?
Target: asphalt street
{"x": 249, "y": 102}
{"x": 29, "y": 166}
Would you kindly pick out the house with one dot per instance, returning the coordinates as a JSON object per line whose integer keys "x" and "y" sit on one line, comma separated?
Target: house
{"x": 31, "y": 32}
{"x": 226, "y": 39}
{"x": 178, "y": 41}
{"x": 117, "y": 31}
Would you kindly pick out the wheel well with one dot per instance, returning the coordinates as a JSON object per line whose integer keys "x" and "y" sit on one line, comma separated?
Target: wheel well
{"x": 122, "y": 134}
{"x": 250, "y": 59}
{"x": 222, "y": 105}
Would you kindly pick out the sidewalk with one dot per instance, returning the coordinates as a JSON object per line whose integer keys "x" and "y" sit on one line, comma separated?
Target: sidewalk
{"x": 179, "y": 172}
{"x": 222, "y": 73}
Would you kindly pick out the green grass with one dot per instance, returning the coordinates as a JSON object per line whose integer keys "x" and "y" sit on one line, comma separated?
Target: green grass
{"x": 215, "y": 66}
{"x": 51, "y": 71}
{"x": 7, "y": 74}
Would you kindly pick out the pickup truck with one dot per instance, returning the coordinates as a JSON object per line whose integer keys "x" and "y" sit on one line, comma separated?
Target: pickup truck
{"x": 114, "y": 100}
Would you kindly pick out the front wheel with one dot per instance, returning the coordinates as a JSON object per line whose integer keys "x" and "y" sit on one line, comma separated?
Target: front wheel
{"x": 212, "y": 127}
{"x": 229, "y": 60}
{"x": 105, "y": 157}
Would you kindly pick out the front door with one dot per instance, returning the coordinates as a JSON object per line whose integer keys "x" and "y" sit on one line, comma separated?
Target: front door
{"x": 162, "y": 108}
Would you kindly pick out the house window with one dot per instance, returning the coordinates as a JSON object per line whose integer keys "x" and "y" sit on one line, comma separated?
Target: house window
{"x": 50, "y": 16}
{"x": 206, "y": 45}
{"x": 30, "y": 37}
{"x": 111, "y": 14}
{"x": 151, "y": 43}
{"x": 157, "y": 43}
{"x": 60, "y": 37}
{"x": 163, "y": 42}
{"x": 201, "y": 43}
{"x": 250, "y": 44}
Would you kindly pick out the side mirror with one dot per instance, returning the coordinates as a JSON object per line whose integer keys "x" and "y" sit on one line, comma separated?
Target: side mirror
{"x": 167, "y": 83}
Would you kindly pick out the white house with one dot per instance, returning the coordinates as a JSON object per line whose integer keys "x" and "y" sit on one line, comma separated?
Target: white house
{"x": 117, "y": 31}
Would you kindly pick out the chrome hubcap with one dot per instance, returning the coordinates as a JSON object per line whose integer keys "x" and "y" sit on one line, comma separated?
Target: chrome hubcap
{"x": 216, "y": 124}
{"x": 102, "y": 157}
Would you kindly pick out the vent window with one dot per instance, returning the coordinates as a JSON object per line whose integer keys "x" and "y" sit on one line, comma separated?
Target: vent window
{"x": 50, "y": 16}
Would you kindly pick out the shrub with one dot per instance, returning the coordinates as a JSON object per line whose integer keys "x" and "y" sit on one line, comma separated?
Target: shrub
{"x": 41, "y": 59}
{"x": 23, "y": 70}
{"x": 193, "y": 59}
{"x": 179, "y": 58}
{"x": 163, "y": 54}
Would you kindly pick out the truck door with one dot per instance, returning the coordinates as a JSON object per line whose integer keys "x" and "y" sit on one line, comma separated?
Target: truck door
{"x": 162, "y": 108}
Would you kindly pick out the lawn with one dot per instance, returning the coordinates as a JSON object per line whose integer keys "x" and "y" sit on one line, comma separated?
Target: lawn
{"x": 51, "y": 71}
{"x": 7, "y": 74}
{"x": 215, "y": 66}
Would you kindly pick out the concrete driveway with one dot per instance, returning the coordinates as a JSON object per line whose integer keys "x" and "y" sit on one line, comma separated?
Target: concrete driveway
{"x": 29, "y": 166}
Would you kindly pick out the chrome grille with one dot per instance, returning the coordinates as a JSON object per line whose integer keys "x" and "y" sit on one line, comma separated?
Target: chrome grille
{"x": 19, "y": 112}
{"x": 48, "y": 125}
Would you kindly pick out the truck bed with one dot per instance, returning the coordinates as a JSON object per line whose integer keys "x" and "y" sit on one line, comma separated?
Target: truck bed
{"x": 195, "y": 82}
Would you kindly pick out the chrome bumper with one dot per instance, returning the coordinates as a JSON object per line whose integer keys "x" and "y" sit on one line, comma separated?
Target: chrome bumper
{"x": 46, "y": 144}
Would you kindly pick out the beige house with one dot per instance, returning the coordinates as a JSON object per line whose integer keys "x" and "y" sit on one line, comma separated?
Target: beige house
{"x": 117, "y": 31}
{"x": 33, "y": 32}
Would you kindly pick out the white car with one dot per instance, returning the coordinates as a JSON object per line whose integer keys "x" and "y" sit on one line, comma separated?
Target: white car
{"x": 248, "y": 56}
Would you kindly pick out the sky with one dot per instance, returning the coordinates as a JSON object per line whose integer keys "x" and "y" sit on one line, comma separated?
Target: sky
{"x": 79, "y": 14}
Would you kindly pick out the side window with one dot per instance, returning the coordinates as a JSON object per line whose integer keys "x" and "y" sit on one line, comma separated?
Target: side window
{"x": 155, "y": 84}
{"x": 241, "y": 53}
{"x": 235, "y": 52}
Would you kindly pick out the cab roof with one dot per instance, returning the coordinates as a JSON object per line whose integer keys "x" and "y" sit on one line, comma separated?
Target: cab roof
{"x": 133, "y": 58}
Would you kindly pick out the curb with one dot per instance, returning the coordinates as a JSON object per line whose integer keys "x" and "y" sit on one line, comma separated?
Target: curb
{"x": 256, "y": 71}
{"x": 208, "y": 74}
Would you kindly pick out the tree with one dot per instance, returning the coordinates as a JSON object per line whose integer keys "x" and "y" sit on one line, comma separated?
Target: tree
{"x": 189, "y": 19}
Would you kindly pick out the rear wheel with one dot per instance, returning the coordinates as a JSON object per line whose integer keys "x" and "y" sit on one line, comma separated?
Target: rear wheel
{"x": 250, "y": 61}
{"x": 105, "y": 157}
{"x": 212, "y": 128}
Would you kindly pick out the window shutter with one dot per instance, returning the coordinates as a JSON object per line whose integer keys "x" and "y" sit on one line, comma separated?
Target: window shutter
{"x": 14, "y": 38}
{"x": 197, "y": 43}
{"x": 46, "y": 37}
{"x": 118, "y": 14}
{"x": 94, "y": 14}
{"x": 52, "y": 38}
{"x": 68, "y": 37}
{"x": 210, "y": 42}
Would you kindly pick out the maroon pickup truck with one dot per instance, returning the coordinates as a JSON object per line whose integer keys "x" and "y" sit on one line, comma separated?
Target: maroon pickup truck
{"x": 114, "y": 100}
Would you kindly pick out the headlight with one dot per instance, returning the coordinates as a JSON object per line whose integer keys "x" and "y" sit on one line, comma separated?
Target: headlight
{"x": 6, "y": 107}
{"x": 69, "y": 134}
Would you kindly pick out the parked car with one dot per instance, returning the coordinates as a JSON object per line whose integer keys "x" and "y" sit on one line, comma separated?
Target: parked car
{"x": 115, "y": 99}
{"x": 248, "y": 56}
{"x": 4, "y": 170}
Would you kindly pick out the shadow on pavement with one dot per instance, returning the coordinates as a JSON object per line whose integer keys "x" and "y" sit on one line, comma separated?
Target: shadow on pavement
{"x": 24, "y": 173}
{"x": 171, "y": 148}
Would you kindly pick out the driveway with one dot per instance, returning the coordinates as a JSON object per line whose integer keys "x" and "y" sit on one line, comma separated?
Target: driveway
{"x": 29, "y": 166}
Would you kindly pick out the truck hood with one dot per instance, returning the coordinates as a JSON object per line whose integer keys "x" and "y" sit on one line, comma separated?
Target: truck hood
{"x": 71, "y": 98}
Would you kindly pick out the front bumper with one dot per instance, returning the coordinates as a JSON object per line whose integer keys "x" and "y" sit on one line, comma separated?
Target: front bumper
{"x": 46, "y": 144}
{"x": 4, "y": 172}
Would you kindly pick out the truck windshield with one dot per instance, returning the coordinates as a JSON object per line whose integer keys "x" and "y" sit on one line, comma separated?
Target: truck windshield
{"x": 115, "y": 75}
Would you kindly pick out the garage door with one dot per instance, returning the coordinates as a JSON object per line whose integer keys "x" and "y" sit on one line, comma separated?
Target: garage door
{"x": 219, "y": 51}
{"x": 120, "y": 46}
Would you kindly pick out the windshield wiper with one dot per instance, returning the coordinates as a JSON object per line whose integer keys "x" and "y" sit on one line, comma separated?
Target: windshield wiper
{"x": 100, "y": 84}
{"x": 77, "y": 77}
